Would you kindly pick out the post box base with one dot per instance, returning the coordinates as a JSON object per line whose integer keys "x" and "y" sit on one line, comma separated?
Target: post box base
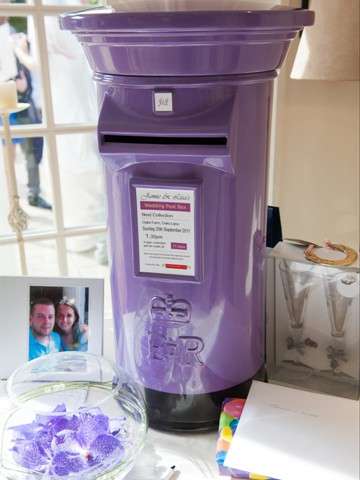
{"x": 181, "y": 413}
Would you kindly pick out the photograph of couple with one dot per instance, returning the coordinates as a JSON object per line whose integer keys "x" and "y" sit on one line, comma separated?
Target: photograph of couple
{"x": 58, "y": 320}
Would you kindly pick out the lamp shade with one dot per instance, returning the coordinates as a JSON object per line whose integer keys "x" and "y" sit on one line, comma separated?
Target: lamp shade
{"x": 330, "y": 49}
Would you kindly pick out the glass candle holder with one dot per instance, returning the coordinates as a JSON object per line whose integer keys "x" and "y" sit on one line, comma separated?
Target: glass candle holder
{"x": 75, "y": 416}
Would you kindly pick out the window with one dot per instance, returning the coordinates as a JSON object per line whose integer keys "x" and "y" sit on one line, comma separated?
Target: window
{"x": 58, "y": 169}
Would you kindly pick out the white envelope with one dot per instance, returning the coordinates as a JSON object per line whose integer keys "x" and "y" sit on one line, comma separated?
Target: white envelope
{"x": 296, "y": 435}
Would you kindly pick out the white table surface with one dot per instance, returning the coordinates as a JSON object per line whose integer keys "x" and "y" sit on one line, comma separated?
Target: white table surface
{"x": 193, "y": 454}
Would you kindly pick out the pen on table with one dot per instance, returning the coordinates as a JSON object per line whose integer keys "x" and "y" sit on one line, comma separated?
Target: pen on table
{"x": 170, "y": 473}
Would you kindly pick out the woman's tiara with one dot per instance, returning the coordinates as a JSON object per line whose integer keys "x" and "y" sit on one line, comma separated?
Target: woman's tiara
{"x": 67, "y": 301}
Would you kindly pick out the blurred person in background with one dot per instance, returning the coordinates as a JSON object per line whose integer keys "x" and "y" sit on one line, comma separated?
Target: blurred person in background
{"x": 32, "y": 147}
{"x": 8, "y": 68}
{"x": 74, "y": 101}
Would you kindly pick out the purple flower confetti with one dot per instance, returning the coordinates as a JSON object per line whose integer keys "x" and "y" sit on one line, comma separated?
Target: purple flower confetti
{"x": 61, "y": 445}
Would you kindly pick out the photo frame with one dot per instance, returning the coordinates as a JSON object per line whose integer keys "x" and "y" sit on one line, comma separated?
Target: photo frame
{"x": 41, "y": 315}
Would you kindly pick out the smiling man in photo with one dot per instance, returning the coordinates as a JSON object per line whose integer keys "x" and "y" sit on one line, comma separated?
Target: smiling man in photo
{"x": 42, "y": 338}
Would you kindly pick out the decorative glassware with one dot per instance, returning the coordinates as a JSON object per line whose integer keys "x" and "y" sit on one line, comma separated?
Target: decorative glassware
{"x": 338, "y": 301}
{"x": 312, "y": 305}
{"x": 297, "y": 280}
{"x": 75, "y": 417}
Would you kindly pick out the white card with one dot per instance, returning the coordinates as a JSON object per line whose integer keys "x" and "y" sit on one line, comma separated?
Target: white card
{"x": 292, "y": 434}
{"x": 166, "y": 230}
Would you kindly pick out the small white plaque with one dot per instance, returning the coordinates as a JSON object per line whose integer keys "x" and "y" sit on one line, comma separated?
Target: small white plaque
{"x": 163, "y": 101}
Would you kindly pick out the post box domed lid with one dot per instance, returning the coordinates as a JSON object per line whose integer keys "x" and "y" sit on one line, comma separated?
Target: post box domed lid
{"x": 185, "y": 37}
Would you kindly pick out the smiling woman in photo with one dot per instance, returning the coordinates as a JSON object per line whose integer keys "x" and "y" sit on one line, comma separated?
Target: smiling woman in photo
{"x": 74, "y": 335}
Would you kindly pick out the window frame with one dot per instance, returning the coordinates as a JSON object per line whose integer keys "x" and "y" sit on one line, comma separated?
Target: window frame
{"x": 49, "y": 130}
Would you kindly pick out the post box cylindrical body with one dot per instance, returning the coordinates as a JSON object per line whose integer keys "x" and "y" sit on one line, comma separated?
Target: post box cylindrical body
{"x": 185, "y": 141}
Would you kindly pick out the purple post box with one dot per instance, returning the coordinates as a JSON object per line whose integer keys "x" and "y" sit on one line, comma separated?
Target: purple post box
{"x": 185, "y": 101}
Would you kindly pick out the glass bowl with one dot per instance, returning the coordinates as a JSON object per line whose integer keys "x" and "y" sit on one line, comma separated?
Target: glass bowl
{"x": 75, "y": 417}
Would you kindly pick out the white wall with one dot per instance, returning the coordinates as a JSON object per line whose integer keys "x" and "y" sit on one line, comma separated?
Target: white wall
{"x": 316, "y": 164}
